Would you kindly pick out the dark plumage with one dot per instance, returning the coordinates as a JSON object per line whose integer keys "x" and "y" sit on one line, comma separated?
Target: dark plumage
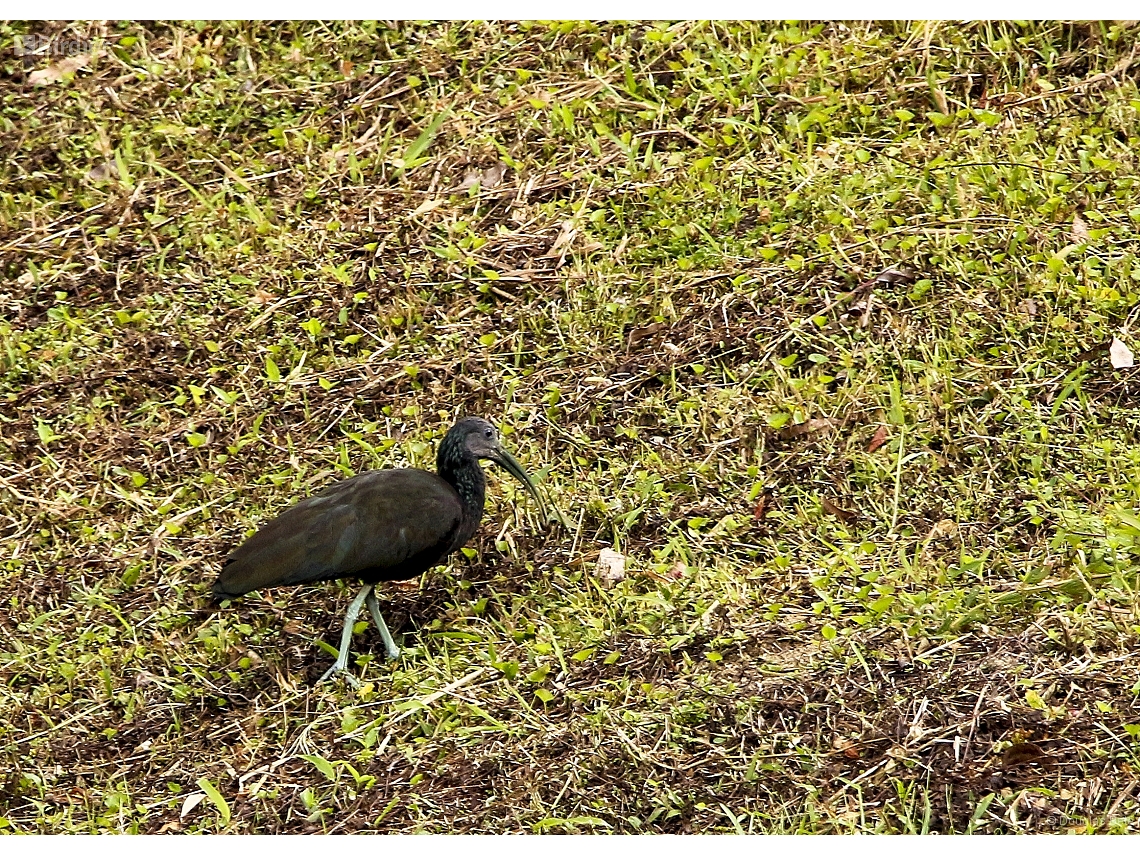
{"x": 376, "y": 526}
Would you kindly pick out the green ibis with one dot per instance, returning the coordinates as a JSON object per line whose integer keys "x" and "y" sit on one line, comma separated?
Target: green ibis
{"x": 378, "y": 526}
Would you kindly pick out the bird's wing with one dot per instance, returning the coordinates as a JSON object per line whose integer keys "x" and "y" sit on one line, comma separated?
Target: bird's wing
{"x": 372, "y": 521}
{"x": 399, "y": 514}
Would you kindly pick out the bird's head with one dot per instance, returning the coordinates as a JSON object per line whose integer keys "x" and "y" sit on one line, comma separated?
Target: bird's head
{"x": 479, "y": 439}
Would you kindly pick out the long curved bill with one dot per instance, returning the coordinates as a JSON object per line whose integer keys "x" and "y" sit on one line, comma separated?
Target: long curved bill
{"x": 508, "y": 462}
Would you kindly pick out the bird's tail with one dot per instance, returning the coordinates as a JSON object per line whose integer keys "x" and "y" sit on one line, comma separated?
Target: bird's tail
{"x": 224, "y": 587}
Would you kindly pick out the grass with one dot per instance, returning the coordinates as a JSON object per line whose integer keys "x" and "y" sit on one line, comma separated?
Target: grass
{"x": 810, "y": 322}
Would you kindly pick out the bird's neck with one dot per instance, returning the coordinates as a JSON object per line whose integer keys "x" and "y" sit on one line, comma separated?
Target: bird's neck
{"x": 463, "y": 472}
{"x": 471, "y": 485}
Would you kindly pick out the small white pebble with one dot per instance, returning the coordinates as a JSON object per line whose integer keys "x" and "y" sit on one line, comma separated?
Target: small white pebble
{"x": 611, "y": 566}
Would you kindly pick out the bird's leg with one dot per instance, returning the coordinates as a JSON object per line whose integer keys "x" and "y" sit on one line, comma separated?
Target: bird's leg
{"x": 341, "y": 663}
{"x": 374, "y": 607}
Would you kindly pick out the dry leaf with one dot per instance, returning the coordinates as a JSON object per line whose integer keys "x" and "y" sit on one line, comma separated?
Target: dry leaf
{"x": 878, "y": 439}
{"x": 493, "y": 176}
{"x": 842, "y": 743}
{"x": 761, "y": 509}
{"x": 810, "y": 426}
{"x": 678, "y": 570}
{"x": 611, "y": 566}
{"x": 1028, "y": 307}
{"x": 103, "y": 171}
{"x": 1022, "y": 753}
{"x": 487, "y": 179}
{"x": 1119, "y": 354}
{"x": 427, "y": 206}
{"x": 865, "y": 307}
{"x": 836, "y": 511}
{"x": 944, "y": 528}
{"x": 191, "y": 802}
{"x": 940, "y": 101}
{"x": 346, "y": 66}
{"x": 565, "y": 237}
{"x": 644, "y": 332}
{"x": 1093, "y": 352}
{"x": 892, "y": 275}
{"x": 1079, "y": 231}
{"x": 58, "y": 70}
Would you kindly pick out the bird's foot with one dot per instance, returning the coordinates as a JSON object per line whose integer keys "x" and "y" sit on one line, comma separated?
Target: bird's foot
{"x": 340, "y": 670}
{"x": 390, "y": 647}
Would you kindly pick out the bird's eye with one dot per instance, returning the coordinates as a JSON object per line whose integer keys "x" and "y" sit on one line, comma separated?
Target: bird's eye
{"x": 487, "y": 433}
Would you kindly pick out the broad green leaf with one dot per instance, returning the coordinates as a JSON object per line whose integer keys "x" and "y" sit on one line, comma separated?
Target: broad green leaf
{"x": 423, "y": 141}
{"x": 323, "y": 765}
{"x": 216, "y": 797}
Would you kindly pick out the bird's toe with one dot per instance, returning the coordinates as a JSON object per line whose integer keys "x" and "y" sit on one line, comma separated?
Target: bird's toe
{"x": 337, "y": 671}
